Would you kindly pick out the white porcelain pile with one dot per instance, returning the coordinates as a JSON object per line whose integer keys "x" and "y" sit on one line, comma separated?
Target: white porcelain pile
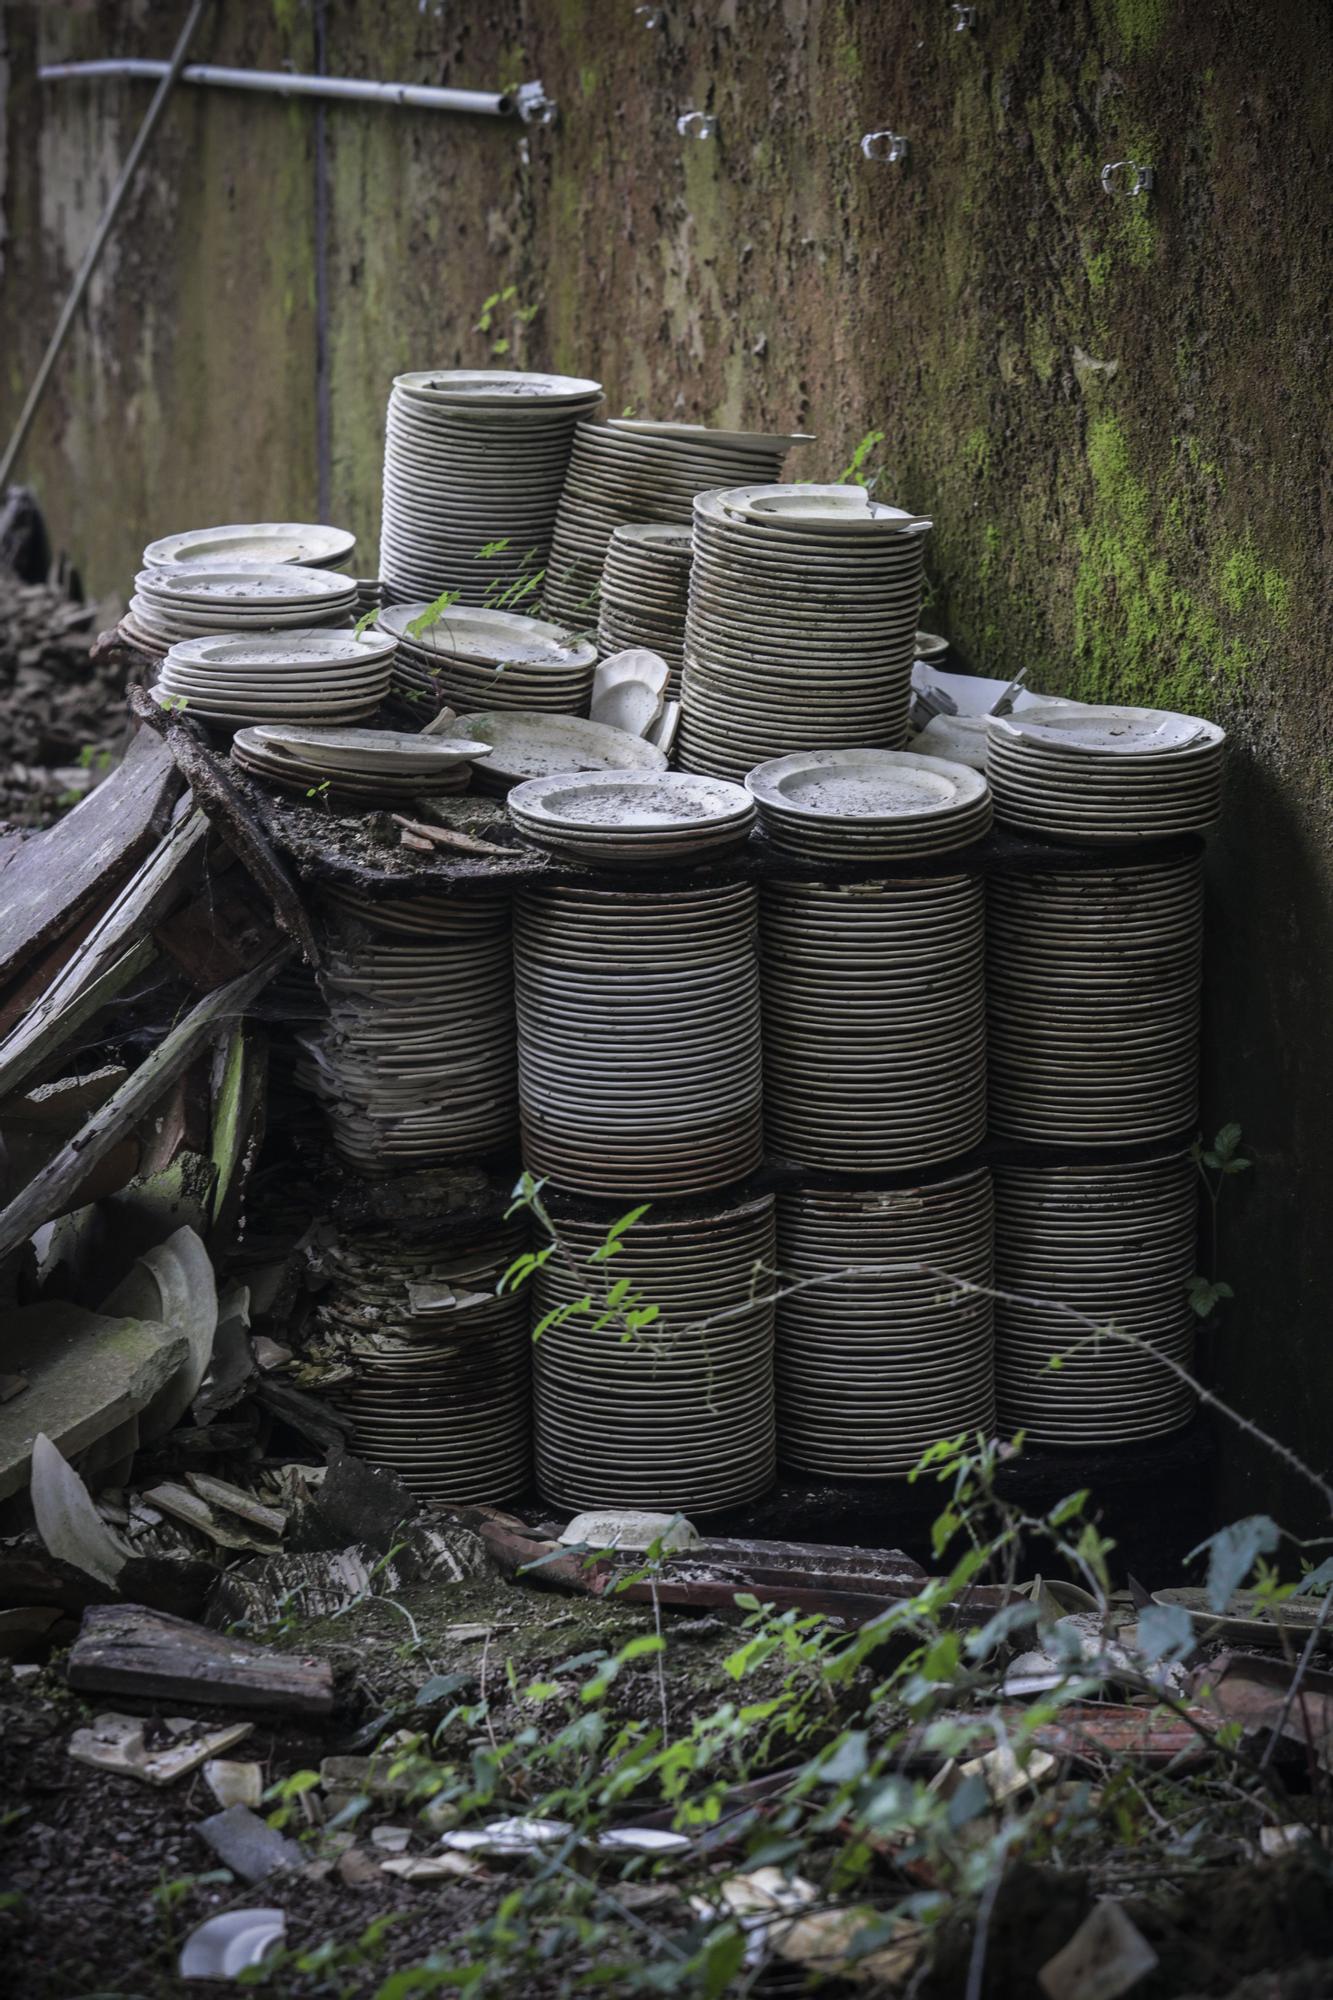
{"x": 320, "y": 677}
{"x": 182, "y": 601}
{"x": 1105, "y": 776}
{"x": 881, "y": 1348}
{"x": 1094, "y": 980}
{"x": 528, "y": 744}
{"x": 646, "y": 592}
{"x": 474, "y": 464}
{"x": 254, "y": 544}
{"x": 353, "y": 765}
{"x": 440, "y": 1383}
{"x": 1114, "y": 1245}
{"x": 467, "y": 658}
{"x": 618, "y": 819}
{"x": 633, "y": 470}
{"x": 416, "y": 1062}
{"x": 638, "y": 1038}
{"x": 874, "y": 1021}
{"x": 869, "y": 805}
{"x": 679, "y": 1416}
{"x": 802, "y": 625}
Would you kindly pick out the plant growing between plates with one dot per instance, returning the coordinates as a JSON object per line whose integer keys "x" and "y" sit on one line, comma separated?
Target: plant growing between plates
{"x": 1217, "y": 1164}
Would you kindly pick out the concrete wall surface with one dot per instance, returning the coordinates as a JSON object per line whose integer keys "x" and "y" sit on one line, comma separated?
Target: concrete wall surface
{"x": 1117, "y": 410}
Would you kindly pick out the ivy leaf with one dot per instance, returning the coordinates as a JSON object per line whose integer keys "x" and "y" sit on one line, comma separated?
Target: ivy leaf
{"x": 1232, "y": 1555}
{"x": 1165, "y": 1632}
{"x": 1206, "y": 1293}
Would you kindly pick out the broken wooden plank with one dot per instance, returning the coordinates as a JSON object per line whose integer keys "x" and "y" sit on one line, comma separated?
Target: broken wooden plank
{"x": 217, "y": 796}
{"x": 52, "y": 880}
{"x": 86, "y": 1373}
{"x": 128, "y": 1649}
{"x": 52, "y": 1190}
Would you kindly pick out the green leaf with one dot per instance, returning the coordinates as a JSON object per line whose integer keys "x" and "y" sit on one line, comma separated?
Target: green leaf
{"x": 1204, "y": 1294}
{"x": 1232, "y": 1554}
{"x": 1226, "y": 1142}
{"x": 440, "y": 1686}
{"x": 1165, "y": 1632}
{"x": 721, "y": 1961}
{"x": 371, "y": 618}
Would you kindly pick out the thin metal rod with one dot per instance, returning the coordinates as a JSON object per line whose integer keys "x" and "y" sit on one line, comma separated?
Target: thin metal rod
{"x": 169, "y": 74}
{"x": 284, "y": 83}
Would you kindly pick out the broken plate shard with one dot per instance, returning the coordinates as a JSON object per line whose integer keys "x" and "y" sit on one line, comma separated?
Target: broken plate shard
{"x": 629, "y": 1528}
{"x": 67, "y": 1521}
{"x": 234, "y": 1784}
{"x": 248, "y": 1845}
{"x": 509, "y": 1836}
{"x": 1106, "y": 1956}
{"x": 224, "y": 1947}
{"x": 174, "y": 1283}
{"x": 121, "y": 1743}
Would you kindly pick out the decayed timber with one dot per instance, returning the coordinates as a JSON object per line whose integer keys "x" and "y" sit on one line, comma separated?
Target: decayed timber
{"x": 48, "y": 1193}
{"x": 128, "y": 1649}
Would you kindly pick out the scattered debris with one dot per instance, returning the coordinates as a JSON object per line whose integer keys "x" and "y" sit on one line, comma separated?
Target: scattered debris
{"x": 156, "y": 1752}
{"x": 234, "y": 1784}
{"x": 128, "y": 1649}
{"x": 630, "y": 1528}
{"x": 226, "y": 1946}
{"x": 86, "y": 1372}
{"x": 508, "y": 1837}
{"x": 67, "y": 1521}
{"x": 248, "y": 1845}
{"x": 1106, "y": 1956}
{"x": 429, "y": 1867}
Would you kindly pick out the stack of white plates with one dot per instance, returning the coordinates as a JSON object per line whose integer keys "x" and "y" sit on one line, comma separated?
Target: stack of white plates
{"x": 318, "y": 677}
{"x": 638, "y": 1038}
{"x": 680, "y": 1415}
{"x": 474, "y": 462}
{"x": 634, "y": 470}
{"x": 1094, "y": 989}
{"x": 869, "y": 805}
{"x": 487, "y": 659}
{"x": 1116, "y": 1246}
{"x": 802, "y": 625}
{"x": 1102, "y": 776}
{"x": 878, "y": 1357}
{"x": 646, "y": 593}
{"x": 254, "y": 545}
{"x": 416, "y": 1062}
{"x": 441, "y": 1383}
{"x": 355, "y": 764}
{"x": 874, "y": 1021}
{"x": 192, "y": 602}
{"x": 627, "y": 818}
{"x": 529, "y": 744}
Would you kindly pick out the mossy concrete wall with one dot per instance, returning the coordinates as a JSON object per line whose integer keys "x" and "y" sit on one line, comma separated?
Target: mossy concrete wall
{"x": 1116, "y": 410}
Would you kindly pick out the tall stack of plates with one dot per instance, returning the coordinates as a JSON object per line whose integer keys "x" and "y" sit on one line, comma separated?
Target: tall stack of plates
{"x": 617, "y": 819}
{"x": 1105, "y": 776}
{"x": 474, "y": 463}
{"x": 1094, "y": 984}
{"x": 802, "y": 625}
{"x": 1114, "y": 1246}
{"x": 470, "y": 659}
{"x": 646, "y": 593}
{"x": 191, "y": 602}
{"x": 679, "y": 1415}
{"x": 416, "y": 1061}
{"x": 254, "y": 545}
{"x": 351, "y": 766}
{"x": 440, "y": 1382}
{"x": 638, "y": 1038}
{"x": 874, "y": 1021}
{"x": 630, "y": 470}
{"x": 882, "y": 1349}
{"x": 869, "y": 805}
{"x": 318, "y": 677}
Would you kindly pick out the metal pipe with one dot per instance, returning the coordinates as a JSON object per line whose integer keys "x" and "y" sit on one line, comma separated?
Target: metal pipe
{"x": 168, "y": 74}
{"x": 284, "y": 83}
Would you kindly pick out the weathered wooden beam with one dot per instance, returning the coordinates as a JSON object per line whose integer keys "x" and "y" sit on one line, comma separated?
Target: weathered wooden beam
{"x": 128, "y": 1649}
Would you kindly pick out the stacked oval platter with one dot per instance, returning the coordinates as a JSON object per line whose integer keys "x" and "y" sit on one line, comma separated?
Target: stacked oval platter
{"x": 633, "y": 469}
{"x": 320, "y": 677}
{"x": 676, "y": 1414}
{"x": 254, "y": 544}
{"x": 646, "y": 593}
{"x": 802, "y": 625}
{"x": 527, "y": 745}
{"x": 355, "y": 764}
{"x": 882, "y": 1345}
{"x": 1091, "y": 1268}
{"x": 1094, "y": 981}
{"x": 184, "y": 601}
{"x": 632, "y": 818}
{"x": 638, "y": 1037}
{"x": 469, "y": 658}
{"x": 1105, "y": 776}
{"x": 474, "y": 465}
{"x": 869, "y": 805}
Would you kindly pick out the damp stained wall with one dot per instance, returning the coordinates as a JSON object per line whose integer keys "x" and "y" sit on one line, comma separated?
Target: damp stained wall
{"x": 1117, "y": 411}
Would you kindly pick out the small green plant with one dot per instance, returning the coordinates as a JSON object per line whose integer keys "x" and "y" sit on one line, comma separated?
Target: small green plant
{"x": 516, "y": 316}
{"x": 1217, "y": 1164}
{"x": 432, "y": 613}
{"x": 853, "y": 473}
{"x": 372, "y": 617}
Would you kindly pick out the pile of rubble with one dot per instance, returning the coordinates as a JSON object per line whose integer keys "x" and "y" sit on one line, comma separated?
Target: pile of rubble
{"x": 62, "y": 709}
